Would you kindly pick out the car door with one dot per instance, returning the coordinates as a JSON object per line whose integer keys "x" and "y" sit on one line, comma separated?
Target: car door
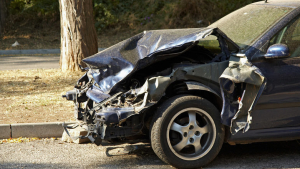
{"x": 279, "y": 104}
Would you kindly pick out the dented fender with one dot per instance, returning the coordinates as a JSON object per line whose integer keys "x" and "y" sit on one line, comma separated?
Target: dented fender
{"x": 241, "y": 85}
{"x": 191, "y": 85}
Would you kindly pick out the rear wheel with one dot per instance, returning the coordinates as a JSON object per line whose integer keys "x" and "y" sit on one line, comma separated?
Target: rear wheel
{"x": 186, "y": 132}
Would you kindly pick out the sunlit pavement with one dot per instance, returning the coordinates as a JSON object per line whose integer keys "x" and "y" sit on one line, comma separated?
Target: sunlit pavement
{"x": 29, "y": 62}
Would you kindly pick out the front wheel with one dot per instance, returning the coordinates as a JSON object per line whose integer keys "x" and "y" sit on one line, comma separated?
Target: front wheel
{"x": 187, "y": 132}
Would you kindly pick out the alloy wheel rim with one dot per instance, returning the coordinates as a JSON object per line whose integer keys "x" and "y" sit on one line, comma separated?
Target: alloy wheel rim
{"x": 191, "y": 133}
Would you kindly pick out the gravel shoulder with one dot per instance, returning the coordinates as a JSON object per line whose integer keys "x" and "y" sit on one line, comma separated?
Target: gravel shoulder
{"x": 49, "y": 153}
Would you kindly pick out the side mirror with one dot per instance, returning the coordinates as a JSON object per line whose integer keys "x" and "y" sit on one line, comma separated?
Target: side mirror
{"x": 277, "y": 51}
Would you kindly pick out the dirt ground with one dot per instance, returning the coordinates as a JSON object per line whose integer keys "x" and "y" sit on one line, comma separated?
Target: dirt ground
{"x": 31, "y": 96}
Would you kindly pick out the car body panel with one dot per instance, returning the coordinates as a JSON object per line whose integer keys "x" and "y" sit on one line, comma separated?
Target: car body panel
{"x": 265, "y": 135}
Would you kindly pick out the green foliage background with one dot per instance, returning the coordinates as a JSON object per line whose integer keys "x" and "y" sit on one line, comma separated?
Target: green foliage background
{"x": 133, "y": 14}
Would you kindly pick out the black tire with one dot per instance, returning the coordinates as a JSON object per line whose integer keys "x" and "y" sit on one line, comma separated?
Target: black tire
{"x": 165, "y": 135}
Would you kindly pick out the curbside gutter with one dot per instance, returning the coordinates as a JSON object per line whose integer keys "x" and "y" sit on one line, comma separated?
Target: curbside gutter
{"x": 34, "y": 51}
{"x": 41, "y": 130}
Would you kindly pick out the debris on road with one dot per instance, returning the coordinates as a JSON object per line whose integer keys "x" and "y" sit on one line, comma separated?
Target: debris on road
{"x": 75, "y": 134}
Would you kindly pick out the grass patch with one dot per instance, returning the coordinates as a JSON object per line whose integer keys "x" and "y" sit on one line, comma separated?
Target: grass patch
{"x": 30, "y": 96}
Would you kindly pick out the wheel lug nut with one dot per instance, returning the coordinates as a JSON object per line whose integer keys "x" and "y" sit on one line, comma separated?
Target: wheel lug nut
{"x": 197, "y": 133}
{"x": 191, "y": 140}
{"x": 191, "y": 127}
{"x": 185, "y": 134}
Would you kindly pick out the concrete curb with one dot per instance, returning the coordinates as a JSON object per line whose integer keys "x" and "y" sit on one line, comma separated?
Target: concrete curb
{"x": 4, "y": 131}
{"x": 33, "y": 51}
{"x": 41, "y": 130}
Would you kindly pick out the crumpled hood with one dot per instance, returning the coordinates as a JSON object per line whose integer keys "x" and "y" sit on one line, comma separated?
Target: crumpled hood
{"x": 113, "y": 64}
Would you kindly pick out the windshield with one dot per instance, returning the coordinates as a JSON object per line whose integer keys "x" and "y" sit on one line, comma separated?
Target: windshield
{"x": 246, "y": 24}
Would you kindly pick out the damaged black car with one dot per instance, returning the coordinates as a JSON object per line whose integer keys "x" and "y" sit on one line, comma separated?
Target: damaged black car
{"x": 191, "y": 90}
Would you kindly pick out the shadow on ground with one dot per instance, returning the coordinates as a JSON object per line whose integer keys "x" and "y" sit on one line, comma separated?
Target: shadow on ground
{"x": 256, "y": 155}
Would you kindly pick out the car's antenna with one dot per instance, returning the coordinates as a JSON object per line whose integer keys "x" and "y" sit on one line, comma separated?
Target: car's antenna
{"x": 266, "y": 1}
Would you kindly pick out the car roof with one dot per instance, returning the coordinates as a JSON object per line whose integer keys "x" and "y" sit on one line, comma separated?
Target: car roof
{"x": 281, "y": 3}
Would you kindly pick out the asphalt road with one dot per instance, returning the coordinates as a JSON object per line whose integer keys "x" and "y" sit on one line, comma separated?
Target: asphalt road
{"x": 55, "y": 154}
{"x": 28, "y": 62}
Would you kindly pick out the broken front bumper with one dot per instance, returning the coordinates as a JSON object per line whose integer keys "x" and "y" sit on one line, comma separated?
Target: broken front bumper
{"x": 114, "y": 115}
{"x": 107, "y": 125}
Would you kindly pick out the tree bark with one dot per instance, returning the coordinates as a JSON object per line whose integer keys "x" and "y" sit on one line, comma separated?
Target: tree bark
{"x": 78, "y": 33}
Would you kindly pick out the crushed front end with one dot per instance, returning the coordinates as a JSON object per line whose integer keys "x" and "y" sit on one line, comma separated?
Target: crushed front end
{"x": 105, "y": 116}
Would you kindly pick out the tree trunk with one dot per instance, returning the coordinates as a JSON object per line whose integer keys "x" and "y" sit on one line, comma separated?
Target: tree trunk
{"x": 3, "y": 13}
{"x": 78, "y": 33}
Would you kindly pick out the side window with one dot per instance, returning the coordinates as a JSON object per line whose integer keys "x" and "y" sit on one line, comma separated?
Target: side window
{"x": 296, "y": 33}
{"x": 290, "y": 36}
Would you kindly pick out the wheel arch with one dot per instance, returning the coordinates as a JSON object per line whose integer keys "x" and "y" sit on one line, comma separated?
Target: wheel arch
{"x": 197, "y": 89}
